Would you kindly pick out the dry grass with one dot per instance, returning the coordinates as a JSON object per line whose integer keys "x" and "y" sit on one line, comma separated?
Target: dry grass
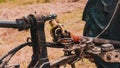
{"x": 25, "y": 2}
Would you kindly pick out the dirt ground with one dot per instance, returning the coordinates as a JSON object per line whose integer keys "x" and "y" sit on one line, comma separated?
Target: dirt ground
{"x": 9, "y": 38}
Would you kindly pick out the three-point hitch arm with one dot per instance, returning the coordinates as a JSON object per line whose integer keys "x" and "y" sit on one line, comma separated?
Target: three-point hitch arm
{"x": 109, "y": 51}
{"x": 36, "y": 26}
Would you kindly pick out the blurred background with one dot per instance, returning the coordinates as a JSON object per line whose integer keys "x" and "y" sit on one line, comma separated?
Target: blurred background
{"x": 69, "y": 14}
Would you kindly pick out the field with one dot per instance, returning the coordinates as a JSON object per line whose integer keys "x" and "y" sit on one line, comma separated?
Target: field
{"x": 69, "y": 14}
